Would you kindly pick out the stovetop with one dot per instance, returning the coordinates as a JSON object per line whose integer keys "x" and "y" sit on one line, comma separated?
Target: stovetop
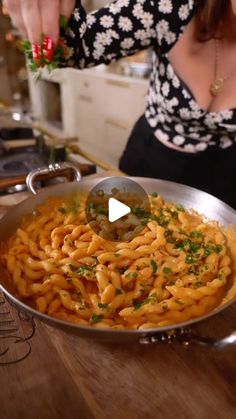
{"x": 21, "y": 163}
{"x": 20, "y": 160}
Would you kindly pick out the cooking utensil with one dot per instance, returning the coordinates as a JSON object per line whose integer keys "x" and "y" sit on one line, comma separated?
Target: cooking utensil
{"x": 206, "y": 204}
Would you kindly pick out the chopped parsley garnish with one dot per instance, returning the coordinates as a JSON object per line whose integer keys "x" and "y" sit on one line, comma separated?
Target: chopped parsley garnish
{"x": 97, "y": 208}
{"x": 165, "y": 306}
{"x": 154, "y": 194}
{"x": 190, "y": 258}
{"x": 196, "y": 234}
{"x": 221, "y": 276}
{"x": 197, "y": 284}
{"x": 82, "y": 270}
{"x": 74, "y": 207}
{"x": 168, "y": 233}
{"x": 96, "y": 318}
{"x": 174, "y": 214}
{"x": 151, "y": 299}
{"x": 194, "y": 269}
{"x": 178, "y": 301}
{"x": 211, "y": 248}
{"x": 194, "y": 247}
{"x": 161, "y": 219}
{"x": 62, "y": 210}
{"x": 145, "y": 222}
{"x": 132, "y": 275}
{"x": 118, "y": 291}
{"x": 218, "y": 248}
{"x": 140, "y": 212}
{"x": 167, "y": 270}
{"x": 102, "y": 306}
{"x": 139, "y": 304}
{"x": 188, "y": 245}
{"x": 180, "y": 207}
{"x": 153, "y": 265}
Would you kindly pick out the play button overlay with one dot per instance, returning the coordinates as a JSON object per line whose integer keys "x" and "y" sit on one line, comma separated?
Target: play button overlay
{"x": 118, "y": 209}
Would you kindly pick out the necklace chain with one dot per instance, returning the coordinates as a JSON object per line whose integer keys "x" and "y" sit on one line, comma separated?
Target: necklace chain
{"x": 218, "y": 84}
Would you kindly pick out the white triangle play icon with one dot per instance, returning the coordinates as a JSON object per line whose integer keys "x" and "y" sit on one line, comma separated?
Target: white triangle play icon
{"x": 116, "y": 210}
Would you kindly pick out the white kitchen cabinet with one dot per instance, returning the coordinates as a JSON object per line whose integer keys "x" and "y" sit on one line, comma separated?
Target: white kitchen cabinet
{"x": 107, "y": 107}
{"x": 98, "y": 107}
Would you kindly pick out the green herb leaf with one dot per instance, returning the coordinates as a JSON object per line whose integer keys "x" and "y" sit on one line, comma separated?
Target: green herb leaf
{"x": 165, "y": 305}
{"x": 140, "y": 212}
{"x": 194, "y": 270}
{"x": 162, "y": 220}
{"x": 190, "y": 258}
{"x": 62, "y": 210}
{"x": 179, "y": 207}
{"x": 178, "y": 301}
{"x": 145, "y": 222}
{"x": 196, "y": 234}
{"x": 102, "y": 306}
{"x": 154, "y": 194}
{"x": 139, "y": 304}
{"x": 153, "y": 265}
{"x": 197, "y": 284}
{"x": 84, "y": 270}
{"x": 118, "y": 291}
{"x": 167, "y": 270}
{"x": 96, "y": 318}
{"x": 153, "y": 298}
{"x": 132, "y": 275}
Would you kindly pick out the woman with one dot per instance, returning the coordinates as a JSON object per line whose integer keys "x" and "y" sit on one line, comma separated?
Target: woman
{"x": 188, "y": 132}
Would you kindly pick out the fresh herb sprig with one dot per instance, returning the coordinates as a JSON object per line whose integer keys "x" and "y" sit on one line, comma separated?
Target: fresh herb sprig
{"x": 44, "y": 58}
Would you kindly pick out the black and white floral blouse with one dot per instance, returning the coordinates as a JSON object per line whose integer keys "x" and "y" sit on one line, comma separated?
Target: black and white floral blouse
{"x": 124, "y": 27}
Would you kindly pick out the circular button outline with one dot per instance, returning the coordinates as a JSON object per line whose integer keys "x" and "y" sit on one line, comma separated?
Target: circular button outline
{"x": 127, "y": 192}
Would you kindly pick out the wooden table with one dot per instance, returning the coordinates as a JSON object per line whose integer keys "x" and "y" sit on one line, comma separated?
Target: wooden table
{"x": 48, "y": 374}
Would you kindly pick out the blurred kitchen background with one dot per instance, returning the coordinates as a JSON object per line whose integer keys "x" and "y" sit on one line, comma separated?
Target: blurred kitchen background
{"x": 81, "y": 116}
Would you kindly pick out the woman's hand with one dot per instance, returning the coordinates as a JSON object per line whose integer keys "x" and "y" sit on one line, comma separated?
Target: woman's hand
{"x": 34, "y": 17}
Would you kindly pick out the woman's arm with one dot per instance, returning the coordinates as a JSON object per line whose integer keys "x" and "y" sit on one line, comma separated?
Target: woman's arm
{"x": 121, "y": 28}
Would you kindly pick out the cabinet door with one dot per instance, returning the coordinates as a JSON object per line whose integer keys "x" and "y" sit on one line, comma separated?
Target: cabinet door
{"x": 124, "y": 99}
{"x": 115, "y": 134}
{"x": 88, "y": 120}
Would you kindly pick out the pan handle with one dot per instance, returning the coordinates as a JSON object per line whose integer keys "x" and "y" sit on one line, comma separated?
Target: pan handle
{"x": 186, "y": 337}
{"x": 51, "y": 171}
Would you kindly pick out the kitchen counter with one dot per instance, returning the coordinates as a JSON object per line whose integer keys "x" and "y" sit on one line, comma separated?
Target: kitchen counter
{"x": 46, "y": 373}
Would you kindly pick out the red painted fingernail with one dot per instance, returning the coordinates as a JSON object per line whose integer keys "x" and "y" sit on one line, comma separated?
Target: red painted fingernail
{"x": 48, "y": 48}
{"x": 36, "y": 51}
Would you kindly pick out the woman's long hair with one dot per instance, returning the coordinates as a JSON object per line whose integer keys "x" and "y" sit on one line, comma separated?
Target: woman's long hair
{"x": 212, "y": 19}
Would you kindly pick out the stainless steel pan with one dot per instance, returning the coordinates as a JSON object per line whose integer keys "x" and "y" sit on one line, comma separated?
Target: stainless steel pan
{"x": 189, "y": 197}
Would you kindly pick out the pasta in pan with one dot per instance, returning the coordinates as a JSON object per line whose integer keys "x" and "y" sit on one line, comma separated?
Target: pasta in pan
{"x": 177, "y": 268}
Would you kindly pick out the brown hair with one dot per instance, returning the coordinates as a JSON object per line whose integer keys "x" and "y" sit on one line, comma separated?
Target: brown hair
{"x": 212, "y": 19}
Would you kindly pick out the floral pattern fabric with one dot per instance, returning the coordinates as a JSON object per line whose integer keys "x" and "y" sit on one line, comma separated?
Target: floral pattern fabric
{"x": 125, "y": 27}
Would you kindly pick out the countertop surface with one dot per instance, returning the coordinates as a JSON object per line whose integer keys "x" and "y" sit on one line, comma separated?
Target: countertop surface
{"x": 46, "y": 373}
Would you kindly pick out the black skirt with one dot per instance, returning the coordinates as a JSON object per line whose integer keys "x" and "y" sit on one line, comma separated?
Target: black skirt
{"x": 213, "y": 170}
